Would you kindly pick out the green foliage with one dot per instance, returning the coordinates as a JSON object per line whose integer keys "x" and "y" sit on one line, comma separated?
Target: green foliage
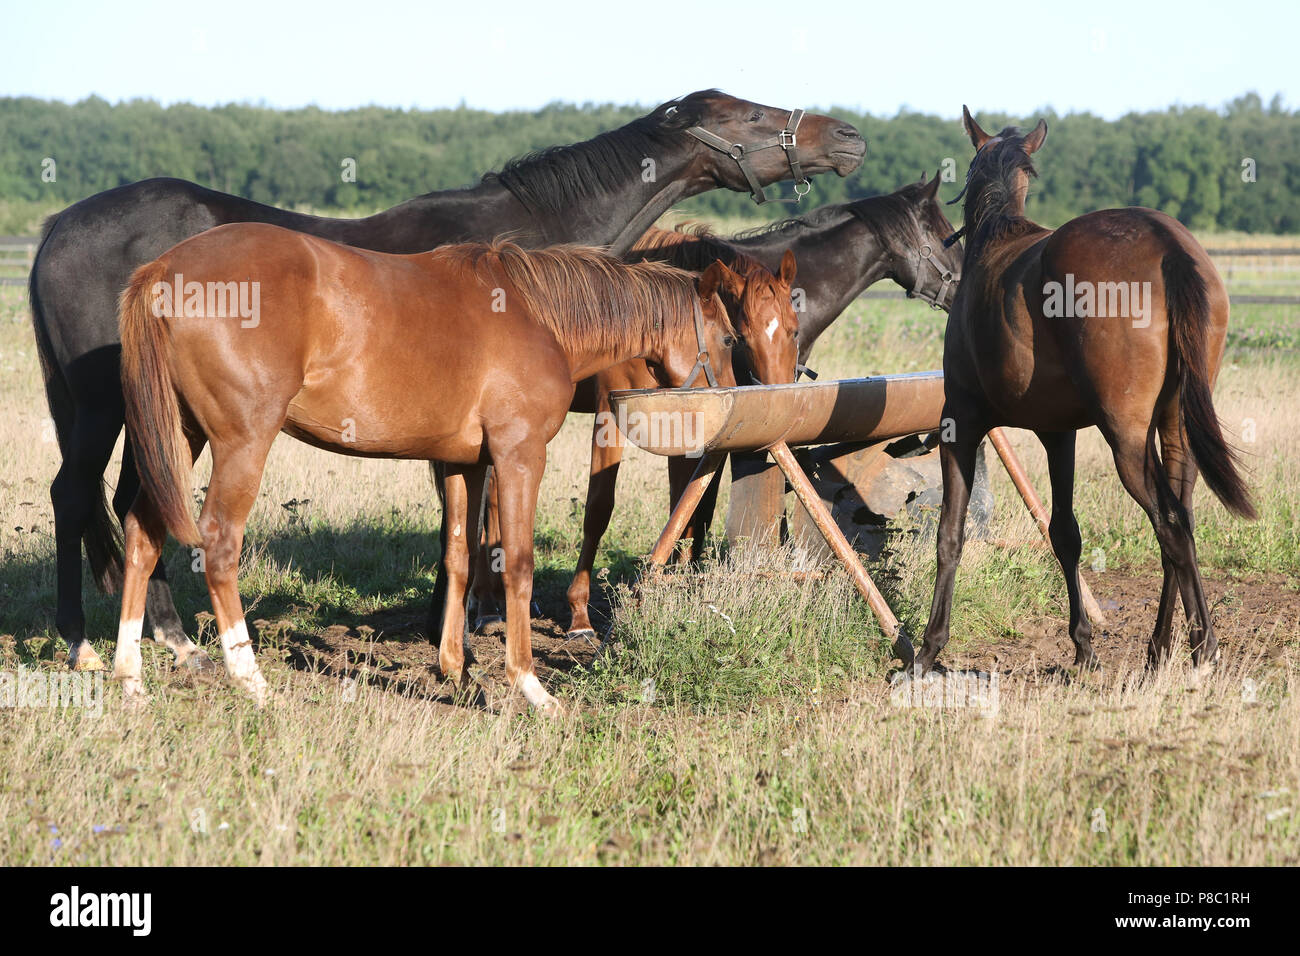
{"x": 1185, "y": 160}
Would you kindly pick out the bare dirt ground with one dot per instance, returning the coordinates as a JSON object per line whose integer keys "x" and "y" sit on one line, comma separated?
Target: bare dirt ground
{"x": 1252, "y": 616}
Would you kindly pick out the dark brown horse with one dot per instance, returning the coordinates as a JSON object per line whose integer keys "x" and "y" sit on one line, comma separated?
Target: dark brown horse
{"x": 605, "y": 191}
{"x": 1118, "y": 320}
{"x": 760, "y": 307}
{"x": 465, "y": 355}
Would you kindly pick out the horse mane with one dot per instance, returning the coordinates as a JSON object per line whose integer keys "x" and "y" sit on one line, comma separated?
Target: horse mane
{"x": 694, "y": 246}
{"x": 588, "y": 300}
{"x": 817, "y": 218}
{"x": 893, "y": 218}
{"x": 996, "y": 213}
{"x": 557, "y": 178}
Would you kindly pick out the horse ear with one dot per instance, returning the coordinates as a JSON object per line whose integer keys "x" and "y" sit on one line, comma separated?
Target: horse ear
{"x": 788, "y": 267}
{"x": 932, "y": 187}
{"x": 718, "y": 276}
{"x": 977, "y": 136}
{"x": 1034, "y": 141}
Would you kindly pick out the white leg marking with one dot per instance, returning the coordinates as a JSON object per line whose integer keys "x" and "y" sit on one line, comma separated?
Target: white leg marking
{"x": 127, "y": 663}
{"x": 456, "y": 531}
{"x": 771, "y": 328}
{"x": 537, "y": 695}
{"x": 241, "y": 662}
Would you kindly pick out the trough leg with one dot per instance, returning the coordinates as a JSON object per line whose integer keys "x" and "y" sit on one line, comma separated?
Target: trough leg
{"x": 681, "y": 516}
{"x": 843, "y": 550}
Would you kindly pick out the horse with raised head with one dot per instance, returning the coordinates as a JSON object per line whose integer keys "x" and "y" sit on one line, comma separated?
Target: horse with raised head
{"x": 595, "y": 192}
{"x": 465, "y": 355}
{"x": 1116, "y": 319}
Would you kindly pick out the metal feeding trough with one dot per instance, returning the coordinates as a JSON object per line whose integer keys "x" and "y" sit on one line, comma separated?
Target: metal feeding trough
{"x": 698, "y": 421}
{"x": 863, "y": 415}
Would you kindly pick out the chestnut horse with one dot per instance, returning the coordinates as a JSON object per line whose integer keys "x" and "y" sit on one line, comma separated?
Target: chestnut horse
{"x": 1117, "y": 319}
{"x": 595, "y": 193}
{"x": 345, "y": 355}
{"x": 760, "y": 308}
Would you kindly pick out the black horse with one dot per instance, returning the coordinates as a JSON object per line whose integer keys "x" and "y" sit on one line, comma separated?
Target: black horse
{"x": 841, "y": 249}
{"x": 605, "y": 191}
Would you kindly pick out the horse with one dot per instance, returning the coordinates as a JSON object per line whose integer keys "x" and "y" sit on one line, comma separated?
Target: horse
{"x": 1117, "y": 319}
{"x": 761, "y": 310}
{"x": 345, "y": 355}
{"x": 842, "y": 249}
{"x": 596, "y": 192}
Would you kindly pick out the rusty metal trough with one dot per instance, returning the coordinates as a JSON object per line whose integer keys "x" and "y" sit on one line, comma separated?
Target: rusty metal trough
{"x": 756, "y": 417}
{"x": 709, "y": 423}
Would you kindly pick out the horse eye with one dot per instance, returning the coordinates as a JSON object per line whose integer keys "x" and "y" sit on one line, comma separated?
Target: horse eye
{"x": 729, "y": 341}
{"x": 755, "y": 116}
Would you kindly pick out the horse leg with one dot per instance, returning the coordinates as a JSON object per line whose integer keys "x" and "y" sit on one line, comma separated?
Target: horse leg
{"x": 76, "y": 493}
{"x": 605, "y": 459}
{"x": 438, "y": 600}
{"x": 1067, "y": 543}
{"x": 159, "y": 608}
{"x": 144, "y": 536}
{"x": 1143, "y": 475}
{"x": 461, "y": 498}
{"x": 232, "y": 490}
{"x": 957, "y": 461}
{"x": 519, "y": 475}
{"x": 486, "y": 594}
{"x": 680, "y": 471}
{"x": 1181, "y": 471}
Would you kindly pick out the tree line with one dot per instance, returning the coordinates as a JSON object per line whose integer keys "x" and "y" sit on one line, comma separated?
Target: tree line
{"x": 1232, "y": 168}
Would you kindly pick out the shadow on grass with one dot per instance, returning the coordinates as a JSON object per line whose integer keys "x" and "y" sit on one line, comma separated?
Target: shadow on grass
{"x": 301, "y": 579}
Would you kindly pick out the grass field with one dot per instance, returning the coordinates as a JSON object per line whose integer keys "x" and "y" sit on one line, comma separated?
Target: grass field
{"x": 744, "y": 717}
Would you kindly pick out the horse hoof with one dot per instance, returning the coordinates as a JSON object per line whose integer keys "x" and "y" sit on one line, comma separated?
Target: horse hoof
{"x": 256, "y": 688}
{"x": 132, "y": 691}
{"x": 583, "y": 633}
{"x": 538, "y": 697}
{"x": 550, "y": 707}
{"x": 199, "y": 663}
{"x": 86, "y": 660}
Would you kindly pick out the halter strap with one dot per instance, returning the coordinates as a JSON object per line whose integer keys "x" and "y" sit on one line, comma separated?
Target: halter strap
{"x": 702, "y": 361}
{"x": 785, "y": 140}
{"x": 945, "y": 276}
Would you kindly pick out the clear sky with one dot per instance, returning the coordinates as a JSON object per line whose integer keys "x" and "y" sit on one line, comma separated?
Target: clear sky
{"x": 1105, "y": 56}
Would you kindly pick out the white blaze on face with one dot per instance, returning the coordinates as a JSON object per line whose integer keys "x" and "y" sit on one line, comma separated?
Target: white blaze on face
{"x": 771, "y": 328}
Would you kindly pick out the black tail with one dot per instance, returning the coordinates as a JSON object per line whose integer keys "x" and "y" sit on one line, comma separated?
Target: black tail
{"x": 1187, "y": 304}
{"x": 103, "y": 536}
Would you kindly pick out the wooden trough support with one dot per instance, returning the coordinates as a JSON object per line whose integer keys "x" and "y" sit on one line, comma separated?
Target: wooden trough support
{"x": 711, "y": 423}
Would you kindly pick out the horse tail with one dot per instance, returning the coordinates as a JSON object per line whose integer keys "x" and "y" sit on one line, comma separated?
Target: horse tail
{"x": 102, "y": 536}
{"x": 153, "y": 414}
{"x": 1187, "y": 303}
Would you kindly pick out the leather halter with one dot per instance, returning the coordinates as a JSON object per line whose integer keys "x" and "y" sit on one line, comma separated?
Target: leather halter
{"x": 785, "y": 140}
{"x": 702, "y": 361}
{"x": 945, "y": 277}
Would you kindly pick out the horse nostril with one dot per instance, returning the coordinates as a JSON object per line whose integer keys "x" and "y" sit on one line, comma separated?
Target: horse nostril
{"x": 849, "y": 133}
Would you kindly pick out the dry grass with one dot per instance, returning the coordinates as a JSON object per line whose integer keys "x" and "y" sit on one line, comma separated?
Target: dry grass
{"x": 773, "y": 734}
